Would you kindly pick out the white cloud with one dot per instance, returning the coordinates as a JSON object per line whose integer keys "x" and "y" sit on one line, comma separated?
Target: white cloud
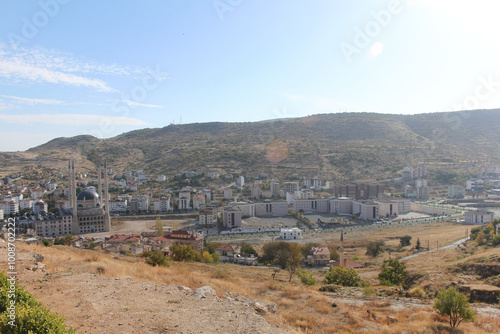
{"x": 30, "y": 101}
{"x": 52, "y": 66}
{"x": 71, "y": 120}
{"x": 18, "y": 70}
{"x": 137, "y": 104}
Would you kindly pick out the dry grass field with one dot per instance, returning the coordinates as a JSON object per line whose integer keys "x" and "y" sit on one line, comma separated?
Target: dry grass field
{"x": 299, "y": 309}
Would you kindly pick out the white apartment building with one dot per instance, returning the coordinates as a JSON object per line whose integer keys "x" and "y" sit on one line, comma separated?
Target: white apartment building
{"x": 290, "y": 233}
{"x": 26, "y": 204}
{"x": 198, "y": 200}
{"x": 271, "y": 208}
{"x": 475, "y": 185}
{"x": 275, "y": 189}
{"x": 247, "y": 209}
{"x": 341, "y": 206}
{"x": 320, "y": 205}
{"x": 478, "y": 217}
{"x": 118, "y": 206}
{"x": 9, "y": 208}
{"x": 289, "y": 187}
{"x": 367, "y": 210}
{"x": 456, "y": 192}
{"x": 184, "y": 203}
{"x": 228, "y": 193}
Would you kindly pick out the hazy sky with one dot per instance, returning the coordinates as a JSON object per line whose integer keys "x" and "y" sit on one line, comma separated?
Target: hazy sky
{"x": 107, "y": 67}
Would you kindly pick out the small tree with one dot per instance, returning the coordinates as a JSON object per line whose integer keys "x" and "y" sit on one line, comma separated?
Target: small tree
{"x": 206, "y": 257}
{"x": 275, "y": 271}
{"x": 182, "y": 252}
{"x": 159, "y": 227}
{"x": 306, "y": 277}
{"x": 293, "y": 260}
{"x": 405, "y": 241}
{"x": 342, "y": 276}
{"x": 418, "y": 246}
{"x": 375, "y": 248}
{"x": 480, "y": 238}
{"x": 248, "y": 249}
{"x": 156, "y": 259}
{"x": 452, "y": 303}
{"x": 393, "y": 273}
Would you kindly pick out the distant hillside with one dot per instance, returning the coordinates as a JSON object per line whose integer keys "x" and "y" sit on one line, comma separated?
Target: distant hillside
{"x": 337, "y": 146}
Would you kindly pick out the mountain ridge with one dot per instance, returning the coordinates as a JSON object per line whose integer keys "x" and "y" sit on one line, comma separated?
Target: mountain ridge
{"x": 342, "y": 146}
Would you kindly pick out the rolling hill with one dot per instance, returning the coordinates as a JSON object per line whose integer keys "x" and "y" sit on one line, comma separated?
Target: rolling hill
{"x": 343, "y": 146}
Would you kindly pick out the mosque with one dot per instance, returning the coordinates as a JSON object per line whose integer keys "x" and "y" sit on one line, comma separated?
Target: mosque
{"x": 87, "y": 213}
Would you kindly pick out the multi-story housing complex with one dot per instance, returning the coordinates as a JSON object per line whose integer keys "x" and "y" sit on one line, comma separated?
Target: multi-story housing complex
{"x": 9, "y": 208}
{"x": 320, "y": 205}
{"x": 366, "y": 209}
{"x": 475, "y": 185}
{"x": 40, "y": 206}
{"x": 478, "y": 217}
{"x": 317, "y": 183}
{"x": 184, "y": 203}
{"x": 139, "y": 204}
{"x": 228, "y": 193}
{"x": 289, "y": 187}
{"x": 198, "y": 200}
{"x": 456, "y": 192}
{"x": 186, "y": 237}
{"x": 208, "y": 217}
{"x": 240, "y": 181}
{"x": 231, "y": 217}
{"x": 118, "y": 206}
{"x": 358, "y": 191}
{"x": 275, "y": 188}
{"x": 271, "y": 208}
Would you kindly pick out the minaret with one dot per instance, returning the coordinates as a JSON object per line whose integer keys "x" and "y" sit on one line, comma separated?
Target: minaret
{"x": 75, "y": 223}
{"x": 99, "y": 184}
{"x": 70, "y": 185}
{"x": 342, "y": 259}
{"x": 107, "y": 218}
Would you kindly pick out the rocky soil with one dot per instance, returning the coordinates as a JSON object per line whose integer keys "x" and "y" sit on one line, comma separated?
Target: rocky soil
{"x": 93, "y": 303}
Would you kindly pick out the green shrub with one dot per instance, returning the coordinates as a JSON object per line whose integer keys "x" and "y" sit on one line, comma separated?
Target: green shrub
{"x": 393, "y": 273}
{"x": 306, "y": 277}
{"x": 496, "y": 240}
{"x": 156, "y": 259}
{"x": 418, "y": 292}
{"x": 375, "y": 248}
{"x": 330, "y": 288}
{"x": 342, "y": 276}
{"x": 369, "y": 291}
{"x": 31, "y": 316}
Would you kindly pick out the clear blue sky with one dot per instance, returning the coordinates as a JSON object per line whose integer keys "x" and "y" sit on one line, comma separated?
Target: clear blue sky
{"x": 107, "y": 67}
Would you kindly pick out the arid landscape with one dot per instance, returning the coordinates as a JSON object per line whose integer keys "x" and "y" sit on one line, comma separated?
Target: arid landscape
{"x": 101, "y": 293}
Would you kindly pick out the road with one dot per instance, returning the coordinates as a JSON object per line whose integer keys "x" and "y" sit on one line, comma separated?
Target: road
{"x": 453, "y": 245}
